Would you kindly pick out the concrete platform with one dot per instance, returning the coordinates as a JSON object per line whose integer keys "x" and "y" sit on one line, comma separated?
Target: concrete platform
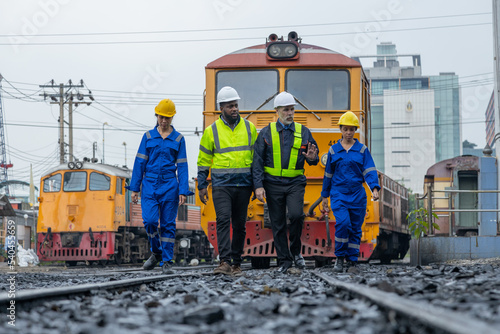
{"x": 442, "y": 249}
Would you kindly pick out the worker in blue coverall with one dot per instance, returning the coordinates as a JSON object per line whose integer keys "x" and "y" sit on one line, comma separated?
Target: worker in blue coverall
{"x": 161, "y": 167}
{"x": 349, "y": 164}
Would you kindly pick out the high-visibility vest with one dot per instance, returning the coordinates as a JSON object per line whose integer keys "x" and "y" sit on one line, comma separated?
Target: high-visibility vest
{"x": 294, "y": 154}
{"x": 232, "y": 150}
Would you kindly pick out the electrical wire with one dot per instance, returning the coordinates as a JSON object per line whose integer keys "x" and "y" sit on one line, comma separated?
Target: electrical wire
{"x": 243, "y": 38}
{"x": 246, "y": 28}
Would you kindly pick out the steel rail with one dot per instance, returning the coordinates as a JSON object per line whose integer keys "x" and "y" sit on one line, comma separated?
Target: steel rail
{"x": 34, "y": 294}
{"x": 436, "y": 317}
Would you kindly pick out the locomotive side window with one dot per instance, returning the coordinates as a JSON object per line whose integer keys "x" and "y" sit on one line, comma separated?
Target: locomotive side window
{"x": 119, "y": 185}
{"x": 254, "y": 87}
{"x": 319, "y": 89}
{"x": 52, "y": 184}
{"x": 99, "y": 181}
{"x": 75, "y": 181}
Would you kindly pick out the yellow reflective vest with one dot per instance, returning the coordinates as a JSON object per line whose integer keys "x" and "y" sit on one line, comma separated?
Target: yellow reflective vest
{"x": 228, "y": 153}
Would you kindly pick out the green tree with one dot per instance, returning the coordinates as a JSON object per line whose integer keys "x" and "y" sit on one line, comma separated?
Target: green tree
{"x": 468, "y": 144}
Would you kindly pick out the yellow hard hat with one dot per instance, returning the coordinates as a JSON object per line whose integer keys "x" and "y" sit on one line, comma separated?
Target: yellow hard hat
{"x": 165, "y": 108}
{"x": 349, "y": 119}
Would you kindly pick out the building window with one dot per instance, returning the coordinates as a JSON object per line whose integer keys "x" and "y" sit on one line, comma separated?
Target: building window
{"x": 400, "y": 151}
{"x": 397, "y": 166}
{"x": 400, "y": 137}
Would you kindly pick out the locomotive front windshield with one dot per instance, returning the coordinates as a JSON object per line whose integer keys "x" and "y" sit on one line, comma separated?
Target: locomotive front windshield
{"x": 256, "y": 88}
{"x": 52, "y": 184}
{"x": 99, "y": 181}
{"x": 319, "y": 89}
{"x": 75, "y": 181}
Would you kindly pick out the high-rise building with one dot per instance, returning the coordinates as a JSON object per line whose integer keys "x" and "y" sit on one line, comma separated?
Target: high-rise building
{"x": 415, "y": 118}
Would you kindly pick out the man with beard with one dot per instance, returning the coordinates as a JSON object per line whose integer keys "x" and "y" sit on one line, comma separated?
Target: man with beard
{"x": 227, "y": 148}
{"x": 281, "y": 150}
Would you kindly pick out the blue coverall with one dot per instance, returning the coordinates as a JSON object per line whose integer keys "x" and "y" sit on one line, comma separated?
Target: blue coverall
{"x": 155, "y": 167}
{"x": 345, "y": 172}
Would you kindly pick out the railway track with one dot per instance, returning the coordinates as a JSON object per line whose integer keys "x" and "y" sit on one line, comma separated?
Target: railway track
{"x": 276, "y": 298}
{"x": 435, "y": 318}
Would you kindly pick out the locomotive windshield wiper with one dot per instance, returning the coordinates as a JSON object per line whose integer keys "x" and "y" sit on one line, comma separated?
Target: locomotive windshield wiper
{"x": 263, "y": 104}
{"x": 306, "y": 108}
{"x": 269, "y": 99}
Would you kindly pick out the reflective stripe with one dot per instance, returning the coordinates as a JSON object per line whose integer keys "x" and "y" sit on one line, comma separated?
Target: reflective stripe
{"x": 363, "y": 149}
{"x": 152, "y": 235}
{"x": 206, "y": 151}
{"x": 216, "y": 136}
{"x": 234, "y": 148}
{"x": 277, "y": 170}
{"x": 203, "y": 168}
{"x": 368, "y": 170}
{"x": 142, "y": 156}
{"x": 341, "y": 240}
{"x": 283, "y": 172}
{"x": 181, "y": 160}
{"x": 328, "y": 175}
{"x": 353, "y": 246}
{"x": 164, "y": 239}
{"x": 249, "y": 132}
{"x": 231, "y": 170}
{"x": 331, "y": 150}
{"x": 179, "y": 137}
{"x": 148, "y": 135}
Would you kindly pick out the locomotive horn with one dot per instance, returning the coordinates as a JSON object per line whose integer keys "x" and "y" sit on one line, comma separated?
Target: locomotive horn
{"x": 293, "y": 36}
{"x": 273, "y": 38}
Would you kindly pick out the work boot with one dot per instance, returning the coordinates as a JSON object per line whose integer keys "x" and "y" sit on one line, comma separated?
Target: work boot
{"x": 167, "y": 268}
{"x": 339, "y": 265}
{"x": 300, "y": 263}
{"x": 284, "y": 267}
{"x": 152, "y": 261}
{"x": 223, "y": 268}
{"x": 236, "y": 270}
{"x": 352, "y": 267}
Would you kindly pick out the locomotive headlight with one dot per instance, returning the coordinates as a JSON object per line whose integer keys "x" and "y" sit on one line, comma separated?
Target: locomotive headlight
{"x": 274, "y": 51}
{"x": 282, "y": 50}
{"x": 290, "y": 51}
{"x": 184, "y": 243}
{"x": 324, "y": 159}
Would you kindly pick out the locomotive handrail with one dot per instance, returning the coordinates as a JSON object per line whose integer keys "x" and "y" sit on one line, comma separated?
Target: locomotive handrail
{"x": 451, "y": 192}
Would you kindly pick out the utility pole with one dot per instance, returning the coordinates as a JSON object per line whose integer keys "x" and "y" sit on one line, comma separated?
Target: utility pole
{"x": 3, "y": 153}
{"x": 496, "y": 54}
{"x": 66, "y": 97}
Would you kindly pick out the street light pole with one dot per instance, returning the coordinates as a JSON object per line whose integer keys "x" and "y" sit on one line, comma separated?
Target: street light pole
{"x": 103, "y": 124}
{"x": 125, "y": 145}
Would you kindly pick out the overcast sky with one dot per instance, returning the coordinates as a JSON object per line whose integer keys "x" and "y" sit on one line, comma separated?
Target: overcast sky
{"x": 129, "y": 74}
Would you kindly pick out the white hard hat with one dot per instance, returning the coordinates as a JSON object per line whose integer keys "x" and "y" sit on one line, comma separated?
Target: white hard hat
{"x": 284, "y": 99}
{"x": 227, "y": 94}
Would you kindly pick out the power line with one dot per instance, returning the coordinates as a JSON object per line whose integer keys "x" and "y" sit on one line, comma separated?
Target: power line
{"x": 244, "y": 38}
{"x": 245, "y": 28}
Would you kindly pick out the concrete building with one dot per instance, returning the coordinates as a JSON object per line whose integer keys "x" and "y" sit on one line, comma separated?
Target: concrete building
{"x": 415, "y": 118}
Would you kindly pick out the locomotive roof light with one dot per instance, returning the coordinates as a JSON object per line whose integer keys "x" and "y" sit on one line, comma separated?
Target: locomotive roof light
{"x": 78, "y": 165}
{"x": 71, "y": 165}
{"x": 282, "y": 50}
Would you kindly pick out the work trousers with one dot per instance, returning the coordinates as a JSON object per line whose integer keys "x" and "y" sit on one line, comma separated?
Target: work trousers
{"x": 160, "y": 201}
{"x": 348, "y": 230}
{"x": 279, "y": 198}
{"x": 231, "y": 205}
